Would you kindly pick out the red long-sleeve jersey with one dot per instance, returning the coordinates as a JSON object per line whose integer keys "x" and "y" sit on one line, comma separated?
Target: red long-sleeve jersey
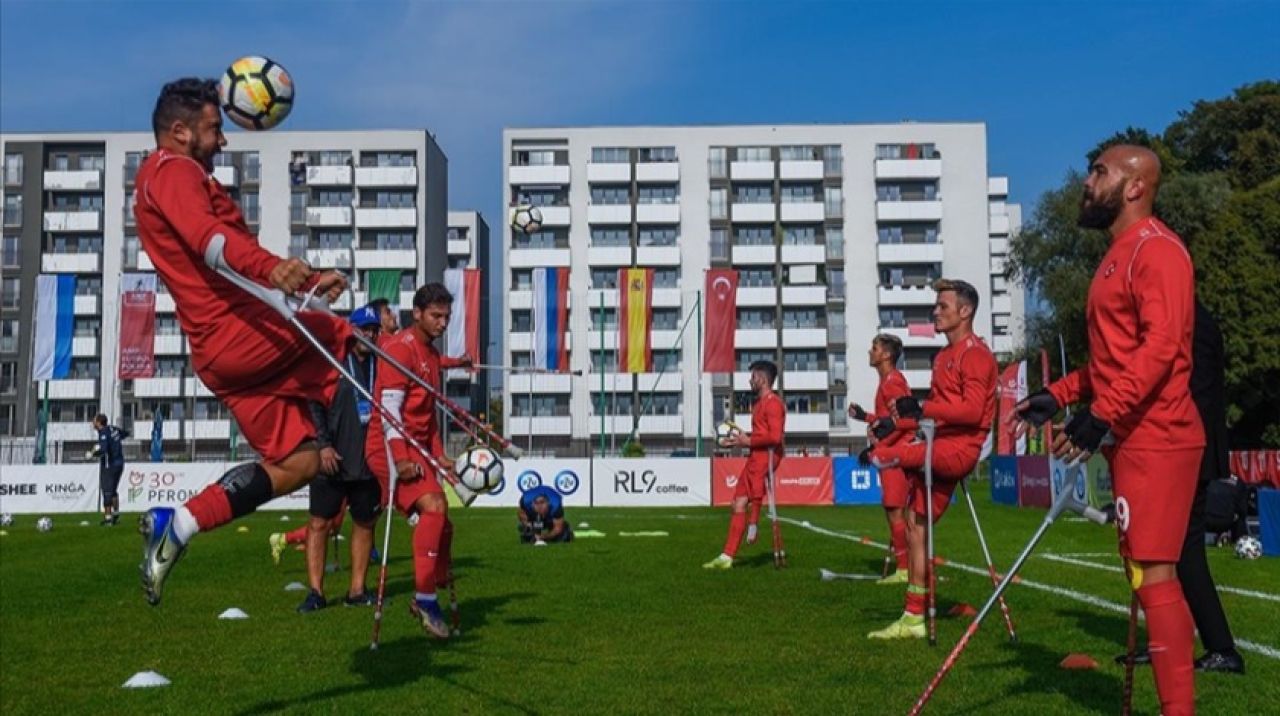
{"x": 893, "y": 385}
{"x": 178, "y": 209}
{"x": 962, "y": 392}
{"x": 417, "y": 406}
{"x": 768, "y": 423}
{"x": 1140, "y": 314}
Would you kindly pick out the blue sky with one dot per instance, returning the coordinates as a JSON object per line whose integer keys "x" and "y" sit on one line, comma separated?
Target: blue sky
{"x": 1049, "y": 78}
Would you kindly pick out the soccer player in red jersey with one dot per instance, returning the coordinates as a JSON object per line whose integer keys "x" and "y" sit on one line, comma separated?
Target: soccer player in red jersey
{"x": 962, "y": 401}
{"x": 1140, "y": 313}
{"x": 768, "y": 424}
{"x": 241, "y": 348}
{"x": 418, "y": 489}
{"x": 882, "y": 430}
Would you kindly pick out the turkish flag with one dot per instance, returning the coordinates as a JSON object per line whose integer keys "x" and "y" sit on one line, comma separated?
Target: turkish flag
{"x": 722, "y": 320}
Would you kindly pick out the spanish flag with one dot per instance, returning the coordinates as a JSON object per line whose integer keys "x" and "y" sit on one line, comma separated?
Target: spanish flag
{"x": 635, "y": 318}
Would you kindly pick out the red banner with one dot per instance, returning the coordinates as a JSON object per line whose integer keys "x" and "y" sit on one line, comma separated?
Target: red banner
{"x": 721, "y": 296}
{"x": 1045, "y": 382}
{"x": 137, "y": 325}
{"x": 801, "y": 480}
{"x": 471, "y": 287}
{"x": 1013, "y": 387}
{"x": 1034, "y": 487}
{"x": 635, "y": 320}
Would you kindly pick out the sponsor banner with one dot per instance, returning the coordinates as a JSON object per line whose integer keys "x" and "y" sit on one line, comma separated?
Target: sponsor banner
{"x": 855, "y": 484}
{"x": 49, "y": 489}
{"x": 1060, "y": 472}
{"x": 721, "y": 296}
{"x": 1269, "y": 521}
{"x": 1100, "y": 493}
{"x": 157, "y": 484}
{"x": 1012, "y": 388}
{"x": 621, "y": 482}
{"x": 137, "y": 325}
{"x": 1004, "y": 480}
{"x": 571, "y": 478}
{"x": 801, "y": 480}
{"x": 1034, "y": 488}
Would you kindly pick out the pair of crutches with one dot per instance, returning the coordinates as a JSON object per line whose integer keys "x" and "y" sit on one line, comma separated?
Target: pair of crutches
{"x": 779, "y": 551}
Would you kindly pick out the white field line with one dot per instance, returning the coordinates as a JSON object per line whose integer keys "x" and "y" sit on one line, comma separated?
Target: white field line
{"x": 1083, "y": 597}
{"x": 1114, "y": 568}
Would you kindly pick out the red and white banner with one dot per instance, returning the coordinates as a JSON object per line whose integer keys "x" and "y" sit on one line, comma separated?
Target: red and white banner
{"x": 721, "y": 296}
{"x": 137, "y": 325}
{"x": 1013, "y": 387}
{"x": 801, "y": 480}
{"x": 463, "y": 335}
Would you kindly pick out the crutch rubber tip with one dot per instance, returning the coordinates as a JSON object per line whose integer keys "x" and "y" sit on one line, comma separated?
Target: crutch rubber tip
{"x": 515, "y": 452}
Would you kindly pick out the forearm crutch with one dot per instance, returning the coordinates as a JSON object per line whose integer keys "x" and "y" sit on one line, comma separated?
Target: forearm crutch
{"x": 779, "y": 551}
{"x": 1066, "y": 501}
{"x": 393, "y": 476}
{"x": 928, "y": 427}
{"x": 986, "y": 554}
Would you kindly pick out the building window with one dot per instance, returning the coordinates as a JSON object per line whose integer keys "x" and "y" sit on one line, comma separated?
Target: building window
{"x": 251, "y": 166}
{"x": 388, "y": 199}
{"x": 534, "y": 158}
{"x": 835, "y": 244}
{"x": 659, "y": 194}
{"x": 610, "y": 237}
{"x": 332, "y": 197}
{"x": 387, "y": 159}
{"x": 64, "y": 244}
{"x": 604, "y": 277}
{"x": 132, "y": 160}
{"x": 833, "y": 202}
{"x": 601, "y": 362}
{"x": 753, "y": 236}
{"x": 92, "y": 162}
{"x": 521, "y": 321}
{"x": 754, "y": 154}
{"x": 610, "y": 194}
{"x": 800, "y": 236}
{"x": 13, "y": 165}
{"x": 9, "y": 335}
{"x": 606, "y": 320}
{"x": 332, "y": 240}
{"x": 666, "y": 319}
{"x": 89, "y": 285}
{"x": 753, "y": 194}
{"x": 658, "y": 236}
{"x": 539, "y": 196}
{"x": 298, "y": 207}
{"x": 799, "y": 193}
{"x": 540, "y": 405}
{"x": 797, "y": 154}
{"x": 545, "y": 239}
{"x": 78, "y": 202}
{"x": 756, "y": 278}
{"x": 746, "y": 357}
{"x": 85, "y": 369}
{"x": 719, "y": 201}
{"x": 8, "y": 378}
{"x": 249, "y": 205}
{"x": 803, "y": 360}
{"x": 719, "y": 245}
{"x": 718, "y": 162}
{"x": 298, "y": 245}
{"x": 832, "y": 161}
{"x": 11, "y": 252}
{"x": 13, "y": 210}
{"x": 521, "y": 279}
{"x": 224, "y": 159}
{"x": 803, "y": 318}
{"x": 59, "y": 163}
{"x": 7, "y": 424}
{"x": 756, "y": 318}
{"x": 657, "y": 154}
{"x": 907, "y": 151}
{"x": 9, "y": 292}
{"x": 666, "y": 278}
{"x": 331, "y": 158}
{"x": 610, "y": 155}
{"x": 388, "y": 240}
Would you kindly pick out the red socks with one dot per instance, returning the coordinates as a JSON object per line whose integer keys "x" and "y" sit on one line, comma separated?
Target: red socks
{"x": 426, "y": 550}
{"x": 898, "y": 542}
{"x": 737, "y": 525}
{"x": 298, "y": 536}
{"x": 444, "y": 561}
{"x": 211, "y": 507}
{"x": 753, "y": 512}
{"x": 915, "y": 600}
{"x": 1171, "y": 636}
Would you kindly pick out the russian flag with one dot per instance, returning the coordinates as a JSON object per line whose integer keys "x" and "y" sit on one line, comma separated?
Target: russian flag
{"x": 55, "y": 324}
{"x": 550, "y": 318}
{"x": 463, "y": 335}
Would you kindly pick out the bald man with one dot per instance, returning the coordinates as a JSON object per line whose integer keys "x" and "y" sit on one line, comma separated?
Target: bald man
{"x": 1140, "y": 313}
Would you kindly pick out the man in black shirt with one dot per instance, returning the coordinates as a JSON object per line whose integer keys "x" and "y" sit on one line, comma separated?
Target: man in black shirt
{"x": 110, "y": 454}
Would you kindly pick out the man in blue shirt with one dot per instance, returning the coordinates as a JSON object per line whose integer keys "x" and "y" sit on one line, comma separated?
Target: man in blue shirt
{"x": 541, "y": 513}
{"x": 110, "y": 454}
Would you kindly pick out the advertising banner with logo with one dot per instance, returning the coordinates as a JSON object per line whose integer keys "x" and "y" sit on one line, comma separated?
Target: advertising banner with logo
{"x": 147, "y": 485}
{"x": 676, "y": 482}
{"x": 1004, "y": 480}
{"x": 1060, "y": 472}
{"x": 137, "y": 325}
{"x": 571, "y": 478}
{"x": 855, "y": 484}
{"x": 49, "y": 489}
{"x": 1034, "y": 489}
{"x": 1100, "y": 493}
{"x": 801, "y": 480}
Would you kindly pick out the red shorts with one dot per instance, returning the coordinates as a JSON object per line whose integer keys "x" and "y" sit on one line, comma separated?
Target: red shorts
{"x": 895, "y": 488}
{"x": 407, "y": 492}
{"x": 953, "y": 458}
{"x": 1154, "y": 490}
{"x": 942, "y": 491}
{"x": 267, "y": 382}
{"x": 750, "y": 485}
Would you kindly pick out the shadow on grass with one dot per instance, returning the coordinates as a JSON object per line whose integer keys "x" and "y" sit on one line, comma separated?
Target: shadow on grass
{"x": 401, "y": 662}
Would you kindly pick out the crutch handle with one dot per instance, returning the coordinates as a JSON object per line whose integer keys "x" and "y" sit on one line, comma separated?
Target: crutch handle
{"x": 215, "y": 258}
{"x": 928, "y": 426}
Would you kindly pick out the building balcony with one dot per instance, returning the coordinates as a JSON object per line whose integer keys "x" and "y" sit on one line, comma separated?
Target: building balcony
{"x": 937, "y": 340}
{"x": 84, "y": 346}
{"x": 670, "y": 382}
{"x": 533, "y": 258}
{"x": 167, "y": 387}
{"x": 169, "y": 344}
{"x": 613, "y": 383}
{"x": 71, "y": 263}
{"x": 810, "y": 169}
{"x": 386, "y": 176}
{"x": 605, "y": 214}
{"x": 194, "y": 386}
{"x": 66, "y": 221}
{"x": 999, "y": 225}
{"x": 73, "y": 180}
{"x": 406, "y": 300}
{"x": 909, "y": 253}
{"x": 613, "y": 424}
{"x": 226, "y": 176}
{"x": 329, "y": 175}
{"x": 206, "y": 429}
{"x": 144, "y": 261}
{"x": 539, "y": 383}
{"x": 523, "y": 342}
{"x": 804, "y": 338}
{"x": 758, "y": 295}
{"x": 658, "y": 171}
{"x": 997, "y": 186}
{"x": 755, "y": 255}
{"x": 60, "y": 432}
{"x": 460, "y": 247}
{"x": 762, "y": 213}
{"x": 661, "y": 425}
{"x": 918, "y": 378}
{"x": 657, "y": 213}
{"x": 755, "y": 338}
{"x": 809, "y": 212}
{"x": 608, "y": 172}
{"x": 595, "y": 296}
{"x": 519, "y": 425}
{"x": 86, "y": 305}
{"x": 73, "y": 389}
{"x": 406, "y": 259}
{"x": 999, "y": 247}
{"x": 817, "y": 380}
{"x": 329, "y": 258}
{"x": 329, "y": 216}
{"x": 666, "y": 298}
{"x": 345, "y": 302}
{"x": 998, "y": 265}
{"x": 1002, "y": 304}
{"x": 803, "y": 253}
{"x": 997, "y": 207}
{"x": 908, "y": 169}
{"x": 609, "y": 255}
{"x": 540, "y": 174}
{"x": 1002, "y": 344}
{"x": 523, "y": 300}
{"x": 804, "y": 295}
{"x": 904, "y": 296}
{"x": 555, "y": 215}
{"x": 663, "y": 340}
{"x": 909, "y": 210}
{"x": 808, "y": 422}
{"x": 399, "y": 217}
{"x": 658, "y": 255}
{"x": 751, "y": 171}
{"x": 165, "y": 303}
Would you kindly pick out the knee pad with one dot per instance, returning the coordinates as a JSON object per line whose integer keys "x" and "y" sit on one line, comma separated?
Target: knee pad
{"x": 247, "y": 486}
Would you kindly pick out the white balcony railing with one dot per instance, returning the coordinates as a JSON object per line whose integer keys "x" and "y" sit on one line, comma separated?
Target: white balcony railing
{"x": 999, "y": 225}
{"x": 555, "y": 215}
{"x": 329, "y": 175}
{"x": 329, "y": 216}
{"x": 386, "y": 176}
{"x": 666, "y": 298}
{"x": 73, "y": 220}
{"x": 754, "y": 255}
{"x": 909, "y": 253}
{"x": 759, "y": 296}
{"x": 73, "y": 389}
{"x": 542, "y": 383}
{"x": 918, "y": 378}
{"x": 400, "y": 217}
{"x": 329, "y": 258}
{"x": 71, "y": 263}
{"x": 169, "y": 344}
{"x": 86, "y": 306}
{"x": 742, "y": 171}
{"x": 165, "y": 387}
{"x": 804, "y": 295}
{"x": 459, "y": 247}
{"x": 658, "y": 213}
{"x": 600, "y": 214}
{"x": 908, "y": 168}
{"x": 610, "y": 172}
{"x": 84, "y": 346}
{"x": 540, "y": 174}
{"x": 755, "y": 338}
{"x": 206, "y": 429}
{"x": 808, "y": 422}
{"x": 800, "y": 169}
{"x": 804, "y": 211}
{"x": 804, "y": 338}
{"x": 816, "y": 380}
{"x": 658, "y": 255}
{"x": 754, "y": 213}
{"x": 657, "y": 171}
{"x": 998, "y": 186}
{"x": 226, "y": 176}
{"x": 909, "y": 210}
{"x": 803, "y": 253}
{"x": 530, "y": 258}
{"x": 73, "y": 180}
{"x": 386, "y": 258}
{"x": 542, "y": 425}
{"x": 609, "y": 255}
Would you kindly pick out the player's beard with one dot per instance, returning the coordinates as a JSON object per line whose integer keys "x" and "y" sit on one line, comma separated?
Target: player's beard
{"x": 1101, "y": 212}
{"x": 202, "y": 154}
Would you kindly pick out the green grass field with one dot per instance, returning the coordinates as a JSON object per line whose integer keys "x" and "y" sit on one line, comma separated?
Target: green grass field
{"x": 612, "y": 625}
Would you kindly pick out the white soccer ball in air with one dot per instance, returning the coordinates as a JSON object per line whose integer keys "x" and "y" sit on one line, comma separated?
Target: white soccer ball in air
{"x": 526, "y": 219}
{"x": 6, "y": 520}
{"x": 479, "y": 468}
{"x": 725, "y": 432}
{"x": 1248, "y": 547}
{"x": 256, "y": 92}
{"x": 44, "y": 524}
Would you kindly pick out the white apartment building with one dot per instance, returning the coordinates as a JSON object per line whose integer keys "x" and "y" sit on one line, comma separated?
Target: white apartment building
{"x": 361, "y": 201}
{"x": 837, "y": 232}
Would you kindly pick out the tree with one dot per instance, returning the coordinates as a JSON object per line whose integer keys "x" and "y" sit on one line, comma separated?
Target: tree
{"x": 1238, "y": 135}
